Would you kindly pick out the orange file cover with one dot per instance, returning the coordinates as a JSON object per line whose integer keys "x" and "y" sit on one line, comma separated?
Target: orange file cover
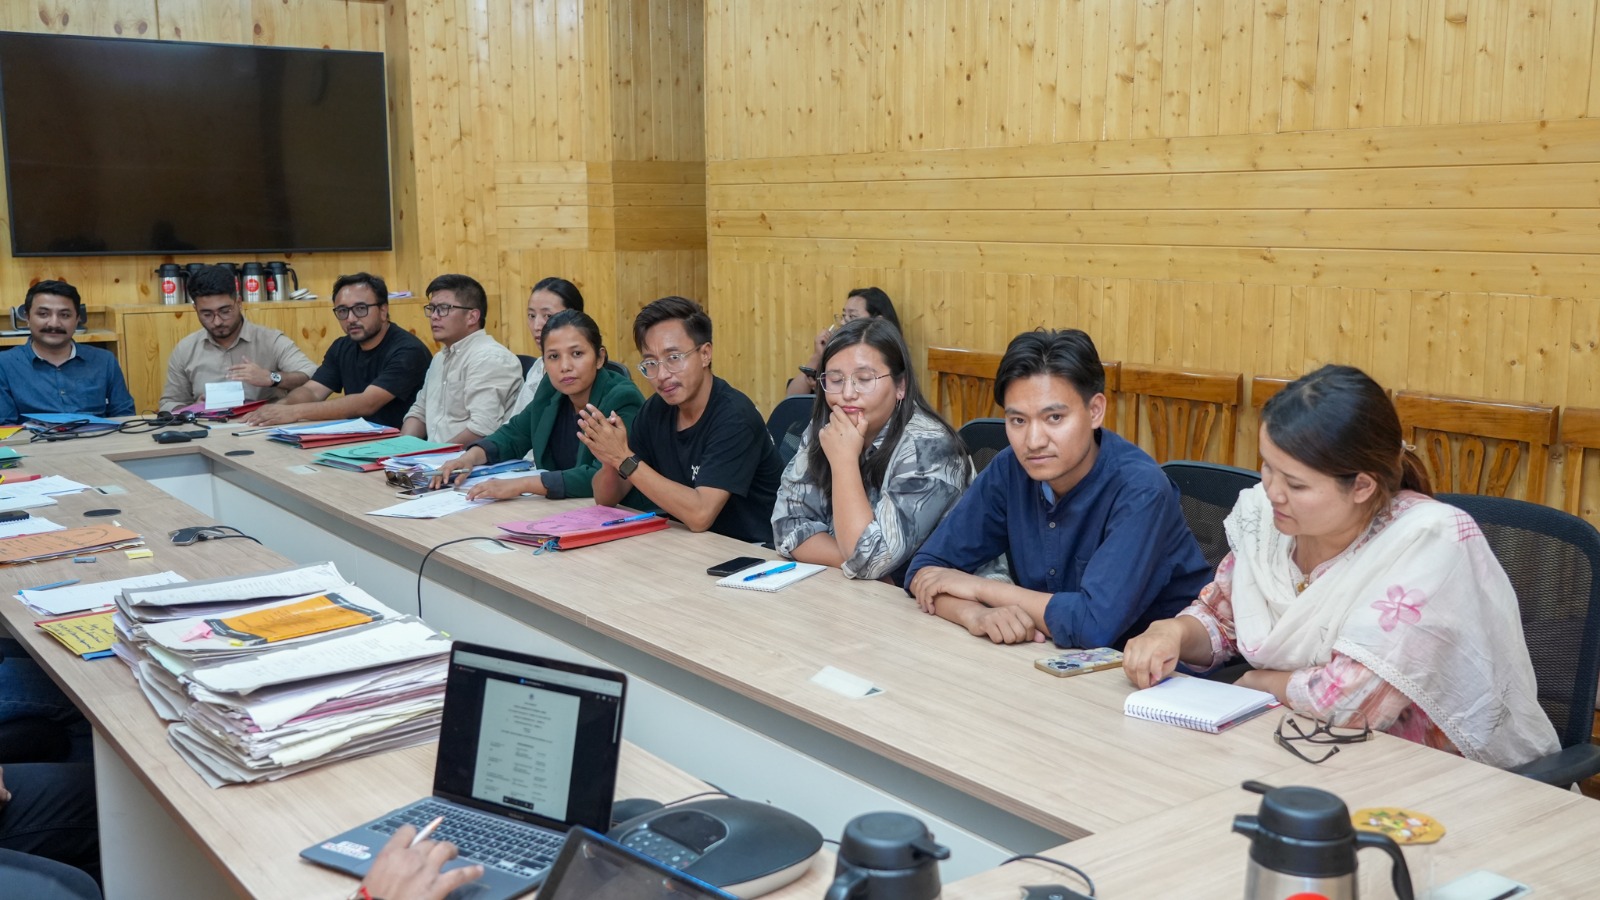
{"x": 581, "y": 527}
{"x": 54, "y": 544}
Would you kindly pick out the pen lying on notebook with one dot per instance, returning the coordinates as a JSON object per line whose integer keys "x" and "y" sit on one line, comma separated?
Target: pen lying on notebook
{"x": 777, "y": 571}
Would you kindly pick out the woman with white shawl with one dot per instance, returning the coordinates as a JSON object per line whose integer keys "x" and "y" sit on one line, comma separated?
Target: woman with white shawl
{"x": 1357, "y": 597}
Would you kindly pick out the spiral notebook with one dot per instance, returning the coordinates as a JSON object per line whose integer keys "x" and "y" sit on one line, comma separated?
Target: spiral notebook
{"x": 1210, "y": 706}
{"x": 770, "y": 583}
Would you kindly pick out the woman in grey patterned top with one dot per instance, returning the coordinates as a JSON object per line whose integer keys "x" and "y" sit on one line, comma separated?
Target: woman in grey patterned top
{"x": 877, "y": 470}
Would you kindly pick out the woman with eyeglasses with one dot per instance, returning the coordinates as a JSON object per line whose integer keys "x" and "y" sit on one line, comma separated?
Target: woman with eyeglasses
{"x": 576, "y": 374}
{"x": 863, "y": 303}
{"x": 1358, "y": 598}
{"x": 877, "y": 470}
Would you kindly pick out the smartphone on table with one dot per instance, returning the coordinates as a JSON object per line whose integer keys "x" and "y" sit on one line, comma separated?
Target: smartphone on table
{"x": 1077, "y": 662}
{"x": 724, "y": 569}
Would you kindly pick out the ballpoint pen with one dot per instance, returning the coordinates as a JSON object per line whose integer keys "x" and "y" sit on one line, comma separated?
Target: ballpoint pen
{"x": 639, "y": 518}
{"x": 778, "y": 571}
{"x": 53, "y": 585}
{"x": 426, "y": 832}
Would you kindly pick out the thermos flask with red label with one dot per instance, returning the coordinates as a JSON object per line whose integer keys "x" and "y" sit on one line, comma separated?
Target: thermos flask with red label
{"x": 252, "y": 282}
{"x": 278, "y": 276}
{"x": 172, "y": 278}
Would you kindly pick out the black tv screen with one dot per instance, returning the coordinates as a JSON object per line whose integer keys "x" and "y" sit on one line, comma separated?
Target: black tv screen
{"x": 159, "y": 147}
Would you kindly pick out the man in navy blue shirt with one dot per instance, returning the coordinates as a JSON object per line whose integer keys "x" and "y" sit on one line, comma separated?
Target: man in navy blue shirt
{"x": 1090, "y": 526}
{"x": 52, "y": 373}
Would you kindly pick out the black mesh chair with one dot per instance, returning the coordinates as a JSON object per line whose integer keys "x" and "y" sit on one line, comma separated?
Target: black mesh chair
{"x": 1207, "y": 494}
{"x": 527, "y": 362}
{"x": 985, "y": 438}
{"x": 1553, "y": 560}
{"x": 788, "y": 423}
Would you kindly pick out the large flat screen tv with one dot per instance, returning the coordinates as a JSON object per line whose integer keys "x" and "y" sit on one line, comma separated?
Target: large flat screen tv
{"x": 159, "y": 147}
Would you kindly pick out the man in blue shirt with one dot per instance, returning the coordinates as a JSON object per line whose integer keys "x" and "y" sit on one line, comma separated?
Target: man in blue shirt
{"x": 52, "y": 373}
{"x": 1091, "y": 527}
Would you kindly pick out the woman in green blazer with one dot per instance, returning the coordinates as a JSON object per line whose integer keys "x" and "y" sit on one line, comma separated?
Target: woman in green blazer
{"x": 575, "y": 374}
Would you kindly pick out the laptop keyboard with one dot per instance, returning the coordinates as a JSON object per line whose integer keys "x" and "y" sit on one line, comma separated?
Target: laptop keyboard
{"x": 500, "y": 843}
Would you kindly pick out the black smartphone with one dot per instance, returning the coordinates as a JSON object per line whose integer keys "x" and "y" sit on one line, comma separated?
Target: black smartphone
{"x": 724, "y": 569}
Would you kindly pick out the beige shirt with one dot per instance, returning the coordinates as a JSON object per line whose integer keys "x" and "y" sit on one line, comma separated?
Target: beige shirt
{"x": 470, "y": 385}
{"x": 197, "y": 361}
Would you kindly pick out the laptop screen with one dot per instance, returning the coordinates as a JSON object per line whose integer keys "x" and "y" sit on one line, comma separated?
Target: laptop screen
{"x": 528, "y": 737}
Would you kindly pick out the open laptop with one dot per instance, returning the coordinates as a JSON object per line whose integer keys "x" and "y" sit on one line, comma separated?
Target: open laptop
{"x": 594, "y": 867}
{"x": 528, "y": 748}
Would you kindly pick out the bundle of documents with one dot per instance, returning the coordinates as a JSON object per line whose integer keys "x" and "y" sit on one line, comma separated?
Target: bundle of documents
{"x": 50, "y": 485}
{"x": 67, "y": 423}
{"x": 66, "y": 542}
{"x": 371, "y": 456}
{"x": 270, "y": 674}
{"x": 420, "y": 468}
{"x": 204, "y": 409}
{"x": 328, "y": 434}
{"x": 581, "y": 527}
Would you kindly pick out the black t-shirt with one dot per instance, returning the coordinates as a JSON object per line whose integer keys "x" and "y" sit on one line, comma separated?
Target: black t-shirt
{"x": 398, "y": 365}
{"x": 729, "y": 448}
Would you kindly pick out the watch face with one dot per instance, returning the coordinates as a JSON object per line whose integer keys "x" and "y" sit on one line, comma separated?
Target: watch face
{"x": 628, "y": 465}
{"x": 277, "y": 377}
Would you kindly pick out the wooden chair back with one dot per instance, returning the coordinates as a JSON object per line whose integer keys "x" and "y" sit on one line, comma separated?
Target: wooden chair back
{"x": 1184, "y": 413}
{"x": 961, "y": 385}
{"x": 1580, "y": 432}
{"x": 1264, "y": 388}
{"x": 1471, "y": 446}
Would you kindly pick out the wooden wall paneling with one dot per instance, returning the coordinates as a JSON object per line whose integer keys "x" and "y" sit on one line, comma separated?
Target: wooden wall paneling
{"x": 1180, "y": 77}
{"x": 1570, "y": 60}
{"x": 1527, "y": 37}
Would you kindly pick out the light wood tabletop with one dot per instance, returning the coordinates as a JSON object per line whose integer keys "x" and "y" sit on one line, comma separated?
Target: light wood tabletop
{"x": 253, "y": 833}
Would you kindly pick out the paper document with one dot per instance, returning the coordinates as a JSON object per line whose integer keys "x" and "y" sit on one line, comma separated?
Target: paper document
{"x": 86, "y": 634}
{"x": 431, "y": 506}
{"x": 41, "y": 487}
{"x": 8, "y": 504}
{"x": 343, "y": 426}
{"x": 296, "y": 582}
{"x": 79, "y": 597}
{"x": 224, "y": 394}
{"x": 181, "y": 635}
{"x": 389, "y": 643}
{"x": 34, "y": 525}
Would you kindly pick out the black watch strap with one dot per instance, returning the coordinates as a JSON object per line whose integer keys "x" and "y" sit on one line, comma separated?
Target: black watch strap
{"x": 809, "y": 372}
{"x": 627, "y": 466}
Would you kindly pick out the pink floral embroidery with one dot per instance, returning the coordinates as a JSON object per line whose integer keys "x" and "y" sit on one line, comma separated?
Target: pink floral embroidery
{"x": 1332, "y": 688}
{"x": 1402, "y": 605}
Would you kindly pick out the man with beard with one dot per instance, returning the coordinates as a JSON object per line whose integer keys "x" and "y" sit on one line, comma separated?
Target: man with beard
{"x": 377, "y": 367}
{"x": 229, "y": 348}
{"x": 52, "y": 373}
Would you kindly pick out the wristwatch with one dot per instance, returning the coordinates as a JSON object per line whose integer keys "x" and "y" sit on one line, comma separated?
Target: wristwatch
{"x": 277, "y": 378}
{"x": 628, "y": 466}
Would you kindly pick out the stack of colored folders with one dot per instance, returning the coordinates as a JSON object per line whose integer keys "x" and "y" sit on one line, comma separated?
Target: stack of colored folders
{"x": 420, "y": 468}
{"x": 271, "y": 674}
{"x": 329, "y": 434}
{"x": 371, "y": 456}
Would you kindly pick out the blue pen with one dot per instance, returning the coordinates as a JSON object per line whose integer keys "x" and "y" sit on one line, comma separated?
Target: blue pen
{"x": 639, "y": 518}
{"x": 53, "y": 584}
{"x": 778, "y": 571}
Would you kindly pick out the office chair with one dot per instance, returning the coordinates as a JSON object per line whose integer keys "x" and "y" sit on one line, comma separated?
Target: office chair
{"x": 788, "y": 423}
{"x": 985, "y": 438}
{"x": 527, "y": 362}
{"x": 1553, "y": 560}
{"x": 1208, "y": 492}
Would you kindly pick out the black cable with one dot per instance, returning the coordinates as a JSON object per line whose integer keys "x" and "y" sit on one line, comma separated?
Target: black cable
{"x": 435, "y": 548}
{"x": 1065, "y": 865}
{"x": 223, "y": 537}
{"x": 716, "y": 793}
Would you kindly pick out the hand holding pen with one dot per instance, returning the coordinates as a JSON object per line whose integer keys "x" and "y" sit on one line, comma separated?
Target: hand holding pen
{"x": 409, "y": 868}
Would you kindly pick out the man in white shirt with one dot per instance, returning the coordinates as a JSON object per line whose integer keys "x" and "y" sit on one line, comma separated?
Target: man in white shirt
{"x": 473, "y": 379}
{"x": 228, "y": 347}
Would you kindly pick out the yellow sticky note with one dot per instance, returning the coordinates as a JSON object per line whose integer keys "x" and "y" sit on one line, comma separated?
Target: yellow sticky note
{"x": 8, "y": 430}
{"x": 92, "y": 633}
{"x": 139, "y": 554}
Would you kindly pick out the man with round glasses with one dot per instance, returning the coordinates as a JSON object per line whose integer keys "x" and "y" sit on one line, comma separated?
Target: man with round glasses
{"x": 700, "y": 451}
{"x": 378, "y": 368}
{"x": 473, "y": 380}
{"x": 229, "y": 347}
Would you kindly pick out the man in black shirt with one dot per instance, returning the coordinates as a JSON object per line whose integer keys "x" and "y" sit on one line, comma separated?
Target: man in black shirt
{"x": 377, "y": 367}
{"x": 699, "y": 452}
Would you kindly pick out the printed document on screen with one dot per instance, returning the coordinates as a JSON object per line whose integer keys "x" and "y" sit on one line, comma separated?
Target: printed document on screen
{"x": 525, "y": 744}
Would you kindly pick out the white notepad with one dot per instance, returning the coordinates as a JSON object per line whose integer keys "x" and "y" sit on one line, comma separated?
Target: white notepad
{"x": 770, "y": 583}
{"x": 1196, "y": 703}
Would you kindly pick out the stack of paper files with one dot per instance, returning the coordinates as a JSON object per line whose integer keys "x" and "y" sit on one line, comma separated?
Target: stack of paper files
{"x": 41, "y": 487}
{"x": 329, "y": 434}
{"x": 270, "y": 674}
{"x": 67, "y": 423}
{"x": 370, "y": 457}
{"x": 421, "y": 468}
{"x": 220, "y": 414}
{"x": 66, "y": 542}
{"x": 101, "y": 595}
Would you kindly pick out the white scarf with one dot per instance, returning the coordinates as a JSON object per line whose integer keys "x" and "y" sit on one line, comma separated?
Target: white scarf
{"x": 1419, "y": 599}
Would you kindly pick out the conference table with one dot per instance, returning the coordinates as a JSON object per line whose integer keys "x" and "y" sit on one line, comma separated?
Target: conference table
{"x": 996, "y": 756}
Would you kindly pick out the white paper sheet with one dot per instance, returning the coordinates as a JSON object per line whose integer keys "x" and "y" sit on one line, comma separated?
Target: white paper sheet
{"x": 389, "y": 643}
{"x": 431, "y": 506}
{"x": 41, "y": 487}
{"x": 33, "y": 525}
{"x": 78, "y": 597}
{"x": 343, "y": 426}
{"x": 295, "y": 582}
{"x": 224, "y": 394}
{"x": 7, "y": 504}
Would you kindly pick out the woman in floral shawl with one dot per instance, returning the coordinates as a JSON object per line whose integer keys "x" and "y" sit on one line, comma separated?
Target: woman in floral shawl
{"x": 1357, "y": 597}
